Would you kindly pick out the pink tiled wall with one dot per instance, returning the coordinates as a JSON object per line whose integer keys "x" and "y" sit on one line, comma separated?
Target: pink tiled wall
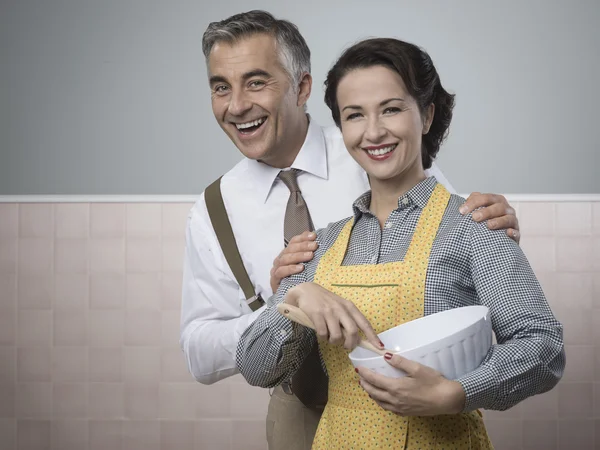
{"x": 89, "y": 319}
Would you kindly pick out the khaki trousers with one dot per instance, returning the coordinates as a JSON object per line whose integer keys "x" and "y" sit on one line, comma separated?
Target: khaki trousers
{"x": 290, "y": 424}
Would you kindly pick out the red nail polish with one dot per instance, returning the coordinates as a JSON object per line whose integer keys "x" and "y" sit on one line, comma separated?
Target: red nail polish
{"x": 381, "y": 344}
{"x": 388, "y": 356}
{"x": 356, "y": 370}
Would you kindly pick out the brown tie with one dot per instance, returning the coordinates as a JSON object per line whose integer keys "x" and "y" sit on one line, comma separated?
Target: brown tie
{"x": 309, "y": 383}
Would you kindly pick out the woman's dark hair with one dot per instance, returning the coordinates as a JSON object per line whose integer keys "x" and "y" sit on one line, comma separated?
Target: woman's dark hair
{"x": 416, "y": 70}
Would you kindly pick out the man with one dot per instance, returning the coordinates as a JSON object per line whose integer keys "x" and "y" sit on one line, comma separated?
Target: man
{"x": 259, "y": 75}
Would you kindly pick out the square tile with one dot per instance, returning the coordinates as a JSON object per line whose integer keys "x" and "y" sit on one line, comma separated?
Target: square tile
{"x": 249, "y": 434}
{"x": 70, "y": 364}
{"x": 71, "y": 256}
{"x": 173, "y": 366}
{"x": 214, "y": 401}
{"x": 34, "y": 328}
{"x": 7, "y": 400}
{"x": 575, "y": 434}
{"x": 8, "y": 322}
{"x": 141, "y": 364}
{"x": 144, "y": 219}
{"x": 540, "y": 434}
{"x": 72, "y": 220}
{"x": 248, "y": 402}
{"x": 217, "y": 435}
{"x": 505, "y": 434}
{"x": 574, "y": 219}
{"x": 596, "y": 218}
{"x": 71, "y": 291}
{"x": 71, "y": 434}
{"x": 574, "y": 254}
{"x": 36, "y": 291}
{"x": 143, "y": 290}
{"x": 176, "y": 435}
{"x": 36, "y": 255}
{"x": 8, "y": 256}
{"x": 173, "y": 250}
{"x": 142, "y": 400}
{"x": 105, "y": 434}
{"x": 171, "y": 291}
{"x": 34, "y": 400}
{"x": 576, "y": 287}
{"x": 141, "y": 435}
{"x": 34, "y": 364}
{"x": 177, "y": 401}
{"x": 540, "y": 252}
{"x": 107, "y": 220}
{"x": 70, "y": 327}
{"x": 8, "y": 364}
{"x": 9, "y": 220}
{"x": 142, "y": 327}
{"x": 70, "y": 400}
{"x": 8, "y": 433}
{"x": 174, "y": 218}
{"x": 537, "y": 219}
{"x": 575, "y": 400}
{"x": 171, "y": 322}
{"x": 36, "y": 220}
{"x": 33, "y": 435}
{"x": 580, "y": 367}
{"x": 143, "y": 255}
{"x": 577, "y": 325}
{"x": 542, "y": 406}
{"x": 107, "y": 255}
{"x": 106, "y": 400}
{"x": 8, "y": 290}
{"x": 107, "y": 291}
{"x": 105, "y": 364}
{"x": 105, "y": 328}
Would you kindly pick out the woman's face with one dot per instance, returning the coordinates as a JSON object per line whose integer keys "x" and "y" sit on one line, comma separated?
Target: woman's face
{"x": 381, "y": 123}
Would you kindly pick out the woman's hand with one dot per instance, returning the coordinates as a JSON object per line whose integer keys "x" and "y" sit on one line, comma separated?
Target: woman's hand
{"x": 336, "y": 319}
{"x": 496, "y": 210}
{"x": 423, "y": 392}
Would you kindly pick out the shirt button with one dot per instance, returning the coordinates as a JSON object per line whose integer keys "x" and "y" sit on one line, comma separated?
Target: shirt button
{"x": 405, "y": 201}
{"x": 373, "y": 259}
{"x": 283, "y": 333}
{"x": 388, "y": 225}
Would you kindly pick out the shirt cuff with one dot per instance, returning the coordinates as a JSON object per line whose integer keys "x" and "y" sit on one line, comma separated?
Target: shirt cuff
{"x": 480, "y": 388}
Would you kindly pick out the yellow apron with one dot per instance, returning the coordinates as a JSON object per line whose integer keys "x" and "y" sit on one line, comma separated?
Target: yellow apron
{"x": 388, "y": 295}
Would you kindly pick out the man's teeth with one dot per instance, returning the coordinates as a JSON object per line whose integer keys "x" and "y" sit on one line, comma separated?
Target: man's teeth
{"x": 381, "y": 151}
{"x": 241, "y": 126}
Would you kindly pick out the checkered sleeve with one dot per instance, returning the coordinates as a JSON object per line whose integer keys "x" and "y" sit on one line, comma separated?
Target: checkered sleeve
{"x": 272, "y": 348}
{"x": 529, "y": 357}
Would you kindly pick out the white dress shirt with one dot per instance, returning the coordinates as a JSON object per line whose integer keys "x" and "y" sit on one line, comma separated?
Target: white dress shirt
{"x": 214, "y": 313}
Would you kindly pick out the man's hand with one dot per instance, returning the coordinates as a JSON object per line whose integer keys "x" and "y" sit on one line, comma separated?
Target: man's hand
{"x": 496, "y": 210}
{"x": 289, "y": 262}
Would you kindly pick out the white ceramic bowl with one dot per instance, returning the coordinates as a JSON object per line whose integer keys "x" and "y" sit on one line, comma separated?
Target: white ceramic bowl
{"x": 453, "y": 342}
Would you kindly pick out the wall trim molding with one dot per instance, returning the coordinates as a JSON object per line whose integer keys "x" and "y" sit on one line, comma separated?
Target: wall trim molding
{"x": 516, "y": 198}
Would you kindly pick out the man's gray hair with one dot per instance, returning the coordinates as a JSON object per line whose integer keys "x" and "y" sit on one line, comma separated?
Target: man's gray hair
{"x": 294, "y": 54}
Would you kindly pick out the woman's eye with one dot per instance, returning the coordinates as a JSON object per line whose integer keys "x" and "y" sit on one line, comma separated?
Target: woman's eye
{"x": 391, "y": 110}
{"x": 353, "y": 116}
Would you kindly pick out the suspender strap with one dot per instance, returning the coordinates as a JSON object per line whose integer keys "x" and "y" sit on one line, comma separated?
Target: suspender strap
{"x": 222, "y": 226}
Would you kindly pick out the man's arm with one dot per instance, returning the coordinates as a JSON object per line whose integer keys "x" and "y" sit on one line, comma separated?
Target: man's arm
{"x": 213, "y": 311}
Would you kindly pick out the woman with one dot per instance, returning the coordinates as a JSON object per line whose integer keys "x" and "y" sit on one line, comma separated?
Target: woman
{"x": 406, "y": 252}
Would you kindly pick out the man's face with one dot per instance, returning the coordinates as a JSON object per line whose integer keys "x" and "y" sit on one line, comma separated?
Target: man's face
{"x": 253, "y": 99}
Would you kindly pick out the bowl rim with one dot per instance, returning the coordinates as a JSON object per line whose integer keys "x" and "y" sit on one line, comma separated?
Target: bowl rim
{"x": 376, "y": 357}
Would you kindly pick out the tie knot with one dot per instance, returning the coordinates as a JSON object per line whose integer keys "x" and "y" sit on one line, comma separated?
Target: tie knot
{"x": 289, "y": 178}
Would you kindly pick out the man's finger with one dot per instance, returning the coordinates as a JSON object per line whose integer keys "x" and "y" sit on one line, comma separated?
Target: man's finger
{"x": 478, "y": 200}
{"x": 503, "y": 223}
{"x": 288, "y": 259}
{"x": 514, "y": 235}
{"x": 306, "y": 236}
{"x": 285, "y": 271}
{"x": 493, "y": 211}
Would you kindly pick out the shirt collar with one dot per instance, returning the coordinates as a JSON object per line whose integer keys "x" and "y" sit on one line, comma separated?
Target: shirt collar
{"x": 312, "y": 158}
{"x": 418, "y": 195}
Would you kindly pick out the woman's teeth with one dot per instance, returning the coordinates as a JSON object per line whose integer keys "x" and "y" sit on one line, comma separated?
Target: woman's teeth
{"x": 381, "y": 151}
{"x": 254, "y": 123}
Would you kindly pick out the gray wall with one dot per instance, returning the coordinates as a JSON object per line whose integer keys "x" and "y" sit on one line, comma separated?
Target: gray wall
{"x": 111, "y": 97}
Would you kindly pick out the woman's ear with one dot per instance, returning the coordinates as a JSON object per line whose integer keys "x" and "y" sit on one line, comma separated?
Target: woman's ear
{"x": 428, "y": 118}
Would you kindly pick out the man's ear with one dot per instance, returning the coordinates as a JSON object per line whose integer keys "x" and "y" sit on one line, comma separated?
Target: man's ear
{"x": 304, "y": 88}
